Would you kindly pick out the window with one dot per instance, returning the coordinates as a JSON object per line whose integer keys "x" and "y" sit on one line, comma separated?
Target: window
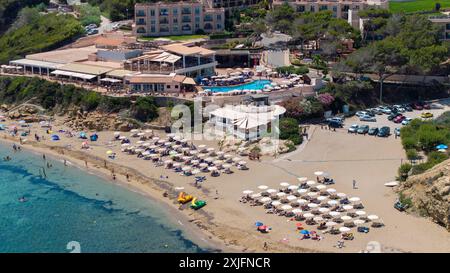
{"x": 141, "y": 30}
{"x": 334, "y": 8}
{"x": 175, "y": 28}
{"x": 197, "y": 10}
{"x": 152, "y": 29}
{"x": 186, "y": 11}
{"x": 300, "y": 8}
{"x": 186, "y": 27}
{"x": 208, "y": 26}
{"x": 219, "y": 26}
{"x": 219, "y": 17}
{"x": 140, "y": 13}
{"x": 152, "y": 12}
{"x": 140, "y": 21}
{"x": 186, "y": 19}
{"x": 197, "y": 19}
{"x": 208, "y": 18}
{"x": 163, "y": 12}
{"x": 312, "y": 9}
{"x": 345, "y": 8}
{"x": 167, "y": 86}
{"x": 164, "y": 29}
{"x": 197, "y": 26}
{"x": 175, "y": 20}
{"x": 323, "y": 7}
{"x": 176, "y": 86}
{"x": 175, "y": 11}
{"x": 447, "y": 26}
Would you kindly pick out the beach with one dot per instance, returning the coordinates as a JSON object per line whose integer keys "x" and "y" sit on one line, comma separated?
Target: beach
{"x": 229, "y": 224}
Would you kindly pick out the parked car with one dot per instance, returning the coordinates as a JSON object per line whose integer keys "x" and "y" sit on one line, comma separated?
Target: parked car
{"x": 436, "y": 106}
{"x": 377, "y": 111}
{"x": 417, "y": 106}
{"x": 400, "y": 206}
{"x": 335, "y": 123}
{"x": 92, "y": 31}
{"x": 361, "y": 113}
{"x": 363, "y": 129}
{"x": 385, "y": 110}
{"x": 397, "y": 131}
{"x": 399, "y": 108}
{"x": 373, "y": 131}
{"x": 426, "y": 115}
{"x": 407, "y": 107}
{"x": 406, "y": 121}
{"x": 399, "y": 118}
{"x": 384, "y": 131}
{"x": 368, "y": 118}
{"x": 353, "y": 129}
{"x": 392, "y": 116}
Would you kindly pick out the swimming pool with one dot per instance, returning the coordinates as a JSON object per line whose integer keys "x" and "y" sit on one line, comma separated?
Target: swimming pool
{"x": 254, "y": 85}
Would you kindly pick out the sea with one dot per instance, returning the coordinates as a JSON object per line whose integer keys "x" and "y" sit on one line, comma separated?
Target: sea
{"x": 63, "y": 209}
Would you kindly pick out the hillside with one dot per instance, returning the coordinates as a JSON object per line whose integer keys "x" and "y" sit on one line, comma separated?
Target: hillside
{"x": 10, "y": 8}
{"x": 46, "y": 32}
{"x": 429, "y": 193}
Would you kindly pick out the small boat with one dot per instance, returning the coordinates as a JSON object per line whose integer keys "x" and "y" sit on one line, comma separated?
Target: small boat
{"x": 197, "y": 204}
{"x": 391, "y": 184}
{"x": 183, "y": 198}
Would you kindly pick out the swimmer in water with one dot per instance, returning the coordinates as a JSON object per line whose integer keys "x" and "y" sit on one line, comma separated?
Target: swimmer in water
{"x": 22, "y": 199}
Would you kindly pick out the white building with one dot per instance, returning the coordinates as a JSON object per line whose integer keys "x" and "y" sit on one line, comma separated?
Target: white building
{"x": 247, "y": 122}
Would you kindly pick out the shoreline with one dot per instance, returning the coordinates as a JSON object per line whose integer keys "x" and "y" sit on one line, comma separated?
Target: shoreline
{"x": 197, "y": 226}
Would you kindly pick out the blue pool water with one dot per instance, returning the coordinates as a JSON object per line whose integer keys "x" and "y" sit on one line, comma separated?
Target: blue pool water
{"x": 254, "y": 85}
{"x": 71, "y": 205}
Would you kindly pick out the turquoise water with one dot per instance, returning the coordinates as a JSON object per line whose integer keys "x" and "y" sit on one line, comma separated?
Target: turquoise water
{"x": 71, "y": 205}
{"x": 255, "y": 85}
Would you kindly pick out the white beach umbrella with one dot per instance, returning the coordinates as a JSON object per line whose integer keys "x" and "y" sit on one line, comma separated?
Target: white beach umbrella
{"x": 220, "y": 153}
{"x": 354, "y": 199}
{"x": 373, "y": 217}
{"x": 308, "y": 215}
{"x": 341, "y": 195}
{"x": 297, "y": 211}
{"x": 148, "y": 131}
{"x": 195, "y": 161}
{"x": 293, "y": 187}
{"x": 330, "y": 224}
{"x": 210, "y": 149}
{"x": 332, "y": 202}
{"x": 322, "y": 198}
{"x": 179, "y": 188}
{"x": 318, "y": 173}
{"x": 302, "y": 191}
{"x": 271, "y": 191}
{"x": 237, "y": 159}
{"x": 334, "y": 213}
{"x": 318, "y": 219}
{"x": 255, "y": 195}
{"x": 284, "y": 184}
{"x": 265, "y": 199}
{"x": 246, "y": 192}
{"x": 226, "y": 166}
{"x": 302, "y": 201}
{"x": 242, "y": 162}
{"x": 302, "y": 179}
{"x": 155, "y": 138}
{"x": 312, "y": 205}
{"x": 347, "y": 207}
{"x": 122, "y": 137}
{"x": 134, "y": 130}
{"x": 281, "y": 194}
{"x": 311, "y": 182}
{"x": 168, "y": 161}
{"x": 263, "y": 187}
{"x": 171, "y": 135}
{"x": 177, "y": 164}
{"x": 291, "y": 198}
{"x": 203, "y": 165}
{"x": 212, "y": 169}
{"x": 194, "y": 152}
{"x": 276, "y": 203}
{"x": 217, "y": 162}
{"x": 141, "y": 134}
{"x": 140, "y": 142}
{"x": 186, "y": 168}
{"x": 195, "y": 171}
{"x": 346, "y": 218}
{"x": 312, "y": 194}
{"x": 360, "y": 212}
{"x": 209, "y": 159}
{"x": 358, "y": 222}
{"x": 116, "y": 133}
{"x": 324, "y": 210}
{"x": 125, "y": 145}
{"x": 331, "y": 190}
{"x": 344, "y": 229}
{"x": 321, "y": 187}
{"x": 228, "y": 156}
{"x": 146, "y": 144}
{"x": 286, "y": 207}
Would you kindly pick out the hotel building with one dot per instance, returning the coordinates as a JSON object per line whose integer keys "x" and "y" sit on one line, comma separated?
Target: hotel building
{"x": 340, "y": 8}
{"x": 178, "y": 18}
{"x": 444, "y": 22}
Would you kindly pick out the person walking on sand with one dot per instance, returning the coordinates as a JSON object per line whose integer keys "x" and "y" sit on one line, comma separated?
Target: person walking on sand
{"x": 85, "y": 163}
{"x": 265, "y": 246}
{"x": 65, "y": 162}
{"x": 127, "y": 176}
{"x": 354, "y": 184}
{"x": 43, "y": 156}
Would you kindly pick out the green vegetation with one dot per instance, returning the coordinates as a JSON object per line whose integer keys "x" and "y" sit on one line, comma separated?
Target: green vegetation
{"x": 289, "y": 130}
{"x": 417, "y": 5}
{"x": 40, "y": 34}
{"x": 89, "y": 15}
{"x": 116, "y": 10}
{"x": 9, "y": 9}
{"x": 58, "y": 98}
{"x": 176, "y": 37}
{"x": 425, "y": 136}
{"x": 403, "y": 171}
{"x": 299, "y": 70}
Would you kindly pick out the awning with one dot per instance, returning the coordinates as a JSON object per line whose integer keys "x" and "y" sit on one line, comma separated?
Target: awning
{"x": 189, "y": 81}
{"x": 110, "y": 80}
{"x": 74, "y": 74}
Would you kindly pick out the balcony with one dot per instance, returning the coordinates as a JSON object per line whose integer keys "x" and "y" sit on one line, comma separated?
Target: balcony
{"x": 140, "y": 22}
{"x": 140, "y": 13}
{"x": 163, "y": 21}
{"x": 186, "y": 12}
{"x": 186, "y": 20}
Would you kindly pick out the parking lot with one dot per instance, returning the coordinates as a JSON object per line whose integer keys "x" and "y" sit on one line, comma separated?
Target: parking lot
{"x": 382, "y": 120}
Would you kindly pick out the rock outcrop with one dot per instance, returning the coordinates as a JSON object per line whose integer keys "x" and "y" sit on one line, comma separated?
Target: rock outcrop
{"x": 430, "y": 193}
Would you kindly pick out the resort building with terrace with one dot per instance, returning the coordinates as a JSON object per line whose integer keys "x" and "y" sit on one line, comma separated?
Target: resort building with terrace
{"x": 177, "y": 18}
{"x": 159, "y": 83}
{"x": 245, "y": 121}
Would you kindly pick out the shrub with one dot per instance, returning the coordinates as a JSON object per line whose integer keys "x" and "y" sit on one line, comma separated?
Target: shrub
{"x": 411, "y": 154}
{"x": 288, "y": 128}
{"x": 403, "y": 171}
{"x": 144, "y": 109}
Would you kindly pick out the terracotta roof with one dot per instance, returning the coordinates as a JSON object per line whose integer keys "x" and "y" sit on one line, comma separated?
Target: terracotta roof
{"x": 181, "y": 49}
{"x": 152, "y": 79}
{"x": 179, "y": 78}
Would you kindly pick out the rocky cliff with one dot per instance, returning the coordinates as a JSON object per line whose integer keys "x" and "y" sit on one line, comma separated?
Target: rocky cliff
{"x": 429, "y": 193}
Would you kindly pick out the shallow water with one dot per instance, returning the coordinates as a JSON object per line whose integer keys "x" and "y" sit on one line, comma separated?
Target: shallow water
{"x": 72, "y": 205}
{"x": 254, "y": 85}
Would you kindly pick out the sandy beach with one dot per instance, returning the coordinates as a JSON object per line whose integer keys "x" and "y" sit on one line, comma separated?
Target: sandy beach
{"x": 228, "y": 224}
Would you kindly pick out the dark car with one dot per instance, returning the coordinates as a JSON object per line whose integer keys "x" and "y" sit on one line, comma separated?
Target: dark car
{"x": 392, "y": 116}
{"x": 407, "y": 107}
{"x": 417, "y": 106}
{"x": 335, "y": 123}
{"x": 373, "y": 131}
{"x": 384, "y": 132}
{"x": 363, "y": 129}
{"x": 400, "y": 206}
